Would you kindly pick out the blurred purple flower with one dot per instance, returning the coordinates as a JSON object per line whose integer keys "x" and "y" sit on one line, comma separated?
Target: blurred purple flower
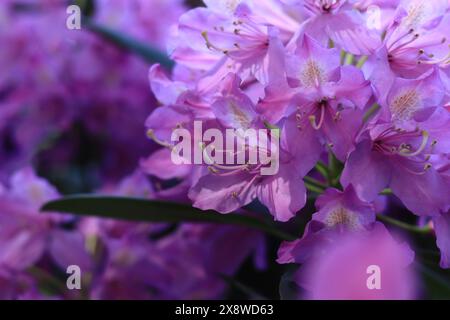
{"x": 25, "y": 234}
{"x": 361, "y": 266}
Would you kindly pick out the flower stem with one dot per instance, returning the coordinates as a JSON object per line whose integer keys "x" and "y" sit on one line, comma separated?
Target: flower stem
{"x": 323, "y": 169}
{"x": 45, "y": 279}
{"x": 361, "y": 62}
{"x": 404, "y": 225}
{"x": 313, "y": 188}
{"x": 373, "y": 109}
{"x": 349, "y": 58}
{"x": 315, "y": 182}
{"x": 143, "y": 50}
{"x": 386, "y": 192}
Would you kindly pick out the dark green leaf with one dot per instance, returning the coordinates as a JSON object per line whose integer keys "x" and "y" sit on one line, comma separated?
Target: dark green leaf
{"x": 87, "y": 7}
{"x": 246, "y": 290}
{"x": 144, "y": 210}
{"x": 148, "y": 53}
{"x": 436, "y": 281}
{"x": 288, "y": 289}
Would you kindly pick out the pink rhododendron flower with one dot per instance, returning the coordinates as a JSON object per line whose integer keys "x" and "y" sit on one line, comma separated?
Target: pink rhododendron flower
{"x": 348, "y": 269}
{"x": 338, "y": 213}
{"x": 393, "y": 157}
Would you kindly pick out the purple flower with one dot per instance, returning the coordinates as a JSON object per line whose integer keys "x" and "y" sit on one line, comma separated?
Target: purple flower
{"x": 236, "y": 33}
{"x": 338, "y": 213}
{"x": 25, "y": 234}
{"x": 391, "y": 157}
{"x": 336, "y": 20}
{"x": 364, "y": 266}
{"x": 17, "y": 285}
{"x": 413, "y": 100}
{"x": 230, "y": 187}
{"x": 415, "y": 43}
{"x": 324, "y": 106}
{"x": 339, "y": 245}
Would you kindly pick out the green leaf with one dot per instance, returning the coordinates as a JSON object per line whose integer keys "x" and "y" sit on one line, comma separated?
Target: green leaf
{"x": 143, "y": 210}
{"x": 250, "y": 293}
{"x": 404, "y": 225}
{"x": 437, "y": 282}
{"x": 288, "y": 289}
{"x": 145, "y": 51}
{"x": 87, "y": 7}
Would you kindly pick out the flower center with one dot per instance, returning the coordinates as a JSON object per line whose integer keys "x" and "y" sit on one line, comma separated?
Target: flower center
{"x": 399, "y": 142}
{"x": 231, "y": 5}
{"x": 239, "y": 116}
{"x": 322, "y": 6}
{"x": 416, "y": 14}
{"x": 342, "y": 217}
{"x": 405, "y": 105}
{"x": 312, "y": 74}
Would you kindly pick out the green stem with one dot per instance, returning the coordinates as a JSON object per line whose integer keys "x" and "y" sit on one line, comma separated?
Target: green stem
{"x": 362, "y": 61}
{"x": 315, "y": 182}
{"x": 47, "y": 280}
{"x": 386, "y": 192}
{"x": 323, "y": 169}
{"x": 330, "y": 43}
{"x": 404, "y": 225}
{"x": 277, "y": 233}
{"x": 343, "y": 54}
{"x": 148, "y": 53}
{"x": 349, "y": 59}
{"x": 373, "y": 109}
{"x": 313, "y": 188}
{"x": 334, "y": 169}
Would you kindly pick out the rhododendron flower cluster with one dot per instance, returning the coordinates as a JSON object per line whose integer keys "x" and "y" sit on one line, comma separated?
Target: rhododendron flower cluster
{"x": 373, "y": 97}
{"x": 346, "y": 102}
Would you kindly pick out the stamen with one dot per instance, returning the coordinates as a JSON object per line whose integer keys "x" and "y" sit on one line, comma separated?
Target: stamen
{"x": 337, "y": 116}
{"x": 210, "y": 46}
{"x": 225, "y": 174}
{"x": 423, "y": 145}
{"x": 223, "y": 167}
{"x": 249, "y": 184}
{"x": 398, "y": 48}
{"x": 151, "y": 135}
{"x": 415, "y": 172}
{"x": 312, "y": 119}
{"x": 400, "y": 37}
{"x": 445, "y": 60}
{"x": 212, "y": 170}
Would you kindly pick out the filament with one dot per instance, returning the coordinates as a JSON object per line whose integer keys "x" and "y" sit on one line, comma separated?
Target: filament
{"x": 312, "y": 119}
{"x": 423, "y": 145}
